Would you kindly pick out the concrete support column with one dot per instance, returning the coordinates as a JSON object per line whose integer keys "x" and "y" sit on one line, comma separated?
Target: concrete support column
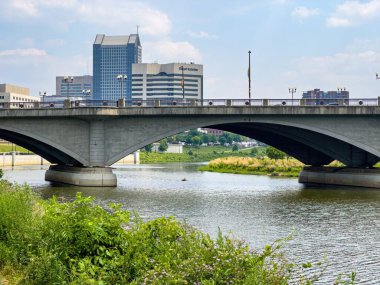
{"x": 81, "y": 176}
{"x": 302, "y": 102}
{"x": 228, "y": 102}
{"x": 156, "y": 103}
{"x": 121, "y": 103}
{"x": 265, "y": 102}
{"x": 97, "y": 144}
{"x": 378, "y": 101}
{"x": 36, "y": 105}
{"x": 66, "y": 103}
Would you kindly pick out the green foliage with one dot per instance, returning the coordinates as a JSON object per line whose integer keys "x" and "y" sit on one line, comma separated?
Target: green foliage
{"x": 163, "y": 146}
{"x": 235, "y": 147}
{"x": 79, "y": 242}
{"x": 148, "y": 147}
{"x": 193, "y": 154}
{"x": 274, "y": 153}
{"x": 1, "y": 173}
{"x": 254, "y": 151}
{"x": 222, "y": 140}
{"x": 196, "y": 141}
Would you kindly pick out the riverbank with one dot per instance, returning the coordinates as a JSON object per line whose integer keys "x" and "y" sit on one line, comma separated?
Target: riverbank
{"x": 288, "y": 167}
{"x": 79, "y": 242}
{"x": 197, "y": 154}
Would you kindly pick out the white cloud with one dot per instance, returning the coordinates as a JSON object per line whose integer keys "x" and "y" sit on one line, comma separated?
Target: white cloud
{"x": 23, "y": 52}
{"x": 111, "y": 14}
{"x": 354, "y": 13}
{"x": 338, "y": 22}
{"x": 304, "y": 12}
{"x": 170, "y": 51}
{"x": 26, "y": 7}
{"x": 41, "y": 68}
{"x": 119, "y": 14}
{"x": 202, "y": 35}
{"x": 353, "y": 70}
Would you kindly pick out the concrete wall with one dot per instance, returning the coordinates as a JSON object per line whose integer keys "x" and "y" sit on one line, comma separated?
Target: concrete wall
{"x": 18, "y": 160}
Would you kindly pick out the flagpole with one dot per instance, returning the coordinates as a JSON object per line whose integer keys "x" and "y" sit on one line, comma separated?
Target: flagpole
{"x": 249, "y": 75}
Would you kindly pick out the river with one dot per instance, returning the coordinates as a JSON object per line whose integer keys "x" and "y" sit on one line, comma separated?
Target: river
{"x": 342, "y": 223}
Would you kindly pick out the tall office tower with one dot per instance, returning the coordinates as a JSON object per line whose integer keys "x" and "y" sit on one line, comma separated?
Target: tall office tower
{"x": 113, "y": 57}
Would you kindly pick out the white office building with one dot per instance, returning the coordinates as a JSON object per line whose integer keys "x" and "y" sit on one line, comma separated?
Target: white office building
{"x": 12, "y": 96}
{"x": 167, "y": 81}
{"x": 73, "y": 86}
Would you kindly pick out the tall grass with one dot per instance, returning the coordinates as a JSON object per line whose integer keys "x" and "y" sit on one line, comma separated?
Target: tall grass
{"x": 288, "y": 167}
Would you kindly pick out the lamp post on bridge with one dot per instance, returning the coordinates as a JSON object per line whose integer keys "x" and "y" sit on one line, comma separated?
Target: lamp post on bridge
{"x": 183, "y": 83}
{"x": 68, "y": 80}
{"x": 43, "y": 94}
{"x": 249, "y": 76}
{"x": 377, "y": 75}
{"x": 86, "y": 92}
{"x": 121, "y": 78}
{"x": 292, "y": 90}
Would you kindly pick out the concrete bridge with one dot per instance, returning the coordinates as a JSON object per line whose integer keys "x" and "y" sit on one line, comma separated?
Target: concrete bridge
{"x": 84, "y": 141}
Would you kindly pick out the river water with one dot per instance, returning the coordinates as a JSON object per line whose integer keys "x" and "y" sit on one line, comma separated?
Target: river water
{"x": 341, "y": 223}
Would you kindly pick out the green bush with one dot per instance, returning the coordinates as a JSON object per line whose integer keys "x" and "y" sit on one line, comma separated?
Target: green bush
{"x": 79, "y": 242}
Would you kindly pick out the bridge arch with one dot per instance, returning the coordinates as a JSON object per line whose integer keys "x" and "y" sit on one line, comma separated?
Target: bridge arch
{"x": 310, "y": 144}
{"x": 41, "y": 146}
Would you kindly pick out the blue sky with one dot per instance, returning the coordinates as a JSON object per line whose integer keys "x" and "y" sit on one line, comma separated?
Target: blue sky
{"x": 294, "y": 43}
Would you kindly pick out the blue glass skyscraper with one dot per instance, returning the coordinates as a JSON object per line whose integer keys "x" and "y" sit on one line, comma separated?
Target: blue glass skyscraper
{"x": 113, "y": 56}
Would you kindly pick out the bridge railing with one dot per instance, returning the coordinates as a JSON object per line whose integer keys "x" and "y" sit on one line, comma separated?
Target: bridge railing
{"x": 122, "y": 103}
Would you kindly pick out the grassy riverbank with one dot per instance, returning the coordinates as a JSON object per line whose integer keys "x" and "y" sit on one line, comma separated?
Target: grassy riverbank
{"x": 196, "y": 154}
{"x": 288, "y": 167}
{"x": 47, "y": 242}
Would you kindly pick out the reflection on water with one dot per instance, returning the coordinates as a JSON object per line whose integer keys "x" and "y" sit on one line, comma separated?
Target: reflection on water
{"x": 341, "y": 222}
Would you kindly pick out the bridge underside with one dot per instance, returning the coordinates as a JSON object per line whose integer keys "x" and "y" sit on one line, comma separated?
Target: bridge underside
{"x": 44, "y": 150}
{"x": 309, "y": 147}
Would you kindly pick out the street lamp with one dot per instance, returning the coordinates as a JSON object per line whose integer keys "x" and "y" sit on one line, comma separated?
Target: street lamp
{"x": 292, "y": 90}
{"x": 121, "y": 78}
{"x": 182, "y": 83}
{"x": 249, "y": 76}
{"x": 68, "y": 80}
{"x": 377, "y": 75}
{"x": 43, "y": 94}
{"x": 86, "y": 92}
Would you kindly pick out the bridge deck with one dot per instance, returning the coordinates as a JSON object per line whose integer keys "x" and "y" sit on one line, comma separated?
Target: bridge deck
{"x": 194, "y": 111}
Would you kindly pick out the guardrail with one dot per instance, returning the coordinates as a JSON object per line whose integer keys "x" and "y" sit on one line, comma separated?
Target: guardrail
{"x": 122, "y": 103}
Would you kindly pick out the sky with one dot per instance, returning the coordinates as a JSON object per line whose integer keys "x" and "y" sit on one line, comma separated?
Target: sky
{"x": 326, "y": 44}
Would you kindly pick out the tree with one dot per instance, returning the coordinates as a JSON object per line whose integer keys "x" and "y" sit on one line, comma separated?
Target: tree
{"x": 235, "y": 147}
{"x": 237, "y": 138}
{"x": 274, "y": 153}
{"x": 213, "y": 139}
{"x": 163, "y": 146}
{"x": 254, "y": 151}
{"x": 205, "y": 139}
{"x": 196, "y": 141}
{"x": 189, "y": 140}
{"x": 148, "y": 148}
{"x": 222, "y": 140}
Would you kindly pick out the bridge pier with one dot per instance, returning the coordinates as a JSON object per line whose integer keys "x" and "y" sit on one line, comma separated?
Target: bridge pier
{"x": 362, "y": 177}
{"x": 81, "y": 176}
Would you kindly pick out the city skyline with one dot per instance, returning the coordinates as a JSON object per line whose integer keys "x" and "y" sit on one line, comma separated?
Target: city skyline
{"x": 294, "y": 43}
